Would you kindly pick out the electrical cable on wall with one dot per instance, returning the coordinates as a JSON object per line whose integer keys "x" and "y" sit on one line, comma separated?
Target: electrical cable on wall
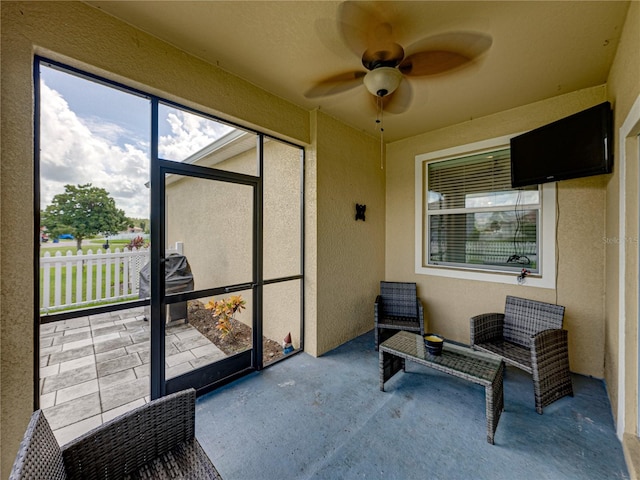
{"x": 557, "y": 246}
{"x": 518, "y": 256}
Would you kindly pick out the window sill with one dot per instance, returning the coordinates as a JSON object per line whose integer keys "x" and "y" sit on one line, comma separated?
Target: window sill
{"x": 485, "y": 276}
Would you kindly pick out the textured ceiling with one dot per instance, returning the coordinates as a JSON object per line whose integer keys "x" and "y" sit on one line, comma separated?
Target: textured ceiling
{"x": 539, "y": 50}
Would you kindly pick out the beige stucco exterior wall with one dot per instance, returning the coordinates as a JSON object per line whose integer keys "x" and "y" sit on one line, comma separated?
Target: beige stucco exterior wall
{"x": 341, "y": 169}
{"x": 623, "y": 90}
{"x": 86, "y": 38}
{"x": 350, "y": 254}
{"x": 344, "y": 259}
{"x": 450, "y": 302}
{"x": 214, "y": 222}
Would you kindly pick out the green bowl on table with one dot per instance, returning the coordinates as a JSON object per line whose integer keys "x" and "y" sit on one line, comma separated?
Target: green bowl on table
{"x": 433, "y": 343}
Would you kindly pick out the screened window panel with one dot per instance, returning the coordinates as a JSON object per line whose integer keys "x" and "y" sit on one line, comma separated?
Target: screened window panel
{"x": 476, "y": 220}
{"x": 188, "y": 137}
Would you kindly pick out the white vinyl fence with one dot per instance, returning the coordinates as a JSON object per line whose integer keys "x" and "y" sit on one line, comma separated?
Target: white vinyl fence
{"x": 485, "y": 252}
{"x": 498, "y": 252}
{"x": 74, "y": 280}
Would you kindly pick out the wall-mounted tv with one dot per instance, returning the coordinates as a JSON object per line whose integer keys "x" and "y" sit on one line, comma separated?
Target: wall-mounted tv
{"x": 576, "y": 146}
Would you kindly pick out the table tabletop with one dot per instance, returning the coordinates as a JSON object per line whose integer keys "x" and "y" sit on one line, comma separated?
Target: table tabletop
{"x": 456, "y": 359}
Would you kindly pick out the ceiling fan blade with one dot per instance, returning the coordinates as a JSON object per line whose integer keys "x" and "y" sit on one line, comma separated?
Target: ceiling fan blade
{"x": 400, "y": 100}
{"x": 335, "y": 84}
{"x": 325, "y": 29}
{"x": 442, "y": 53}
{"x": 354, "y": 23}
{"x": 432, "y": 63}
{"x": 364, "y": 29}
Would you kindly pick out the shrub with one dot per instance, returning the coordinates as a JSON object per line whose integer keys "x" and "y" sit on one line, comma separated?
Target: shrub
{"x": 223, "y": 311}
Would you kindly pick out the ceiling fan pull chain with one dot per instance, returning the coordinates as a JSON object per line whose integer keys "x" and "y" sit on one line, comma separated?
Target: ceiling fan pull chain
{"x": 380, "y": 124}
{"x": 381, "y": 150}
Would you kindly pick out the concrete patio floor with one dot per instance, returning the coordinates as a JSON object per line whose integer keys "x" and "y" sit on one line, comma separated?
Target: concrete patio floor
{"x": 326, "y": 418}
{"x": 96, "y": 367}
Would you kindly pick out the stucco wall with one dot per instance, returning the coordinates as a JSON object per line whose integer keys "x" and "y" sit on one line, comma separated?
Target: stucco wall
{"x": 214, "y": 222}
{"x": 623, "y": 91}
{"x": 16, "y": 233}
{"x": 450, "y": 302}
{"x": 350, "y": 254}
{"x": 344, "y": 259}
{"x": 81, "y": 36}
{"x": 84, "y": 37}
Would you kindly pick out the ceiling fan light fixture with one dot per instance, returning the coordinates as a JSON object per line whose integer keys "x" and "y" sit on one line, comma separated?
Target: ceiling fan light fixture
{"x": 382, "y": 81}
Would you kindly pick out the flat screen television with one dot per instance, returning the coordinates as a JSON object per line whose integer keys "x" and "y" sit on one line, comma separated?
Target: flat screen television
{"x": 576, "y": 146}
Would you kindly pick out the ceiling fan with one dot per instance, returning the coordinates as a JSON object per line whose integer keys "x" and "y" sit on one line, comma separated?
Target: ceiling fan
{"x": 366, "y": 31}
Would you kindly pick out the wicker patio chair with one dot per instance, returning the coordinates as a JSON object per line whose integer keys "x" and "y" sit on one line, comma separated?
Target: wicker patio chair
{"x": 397, "y": 308}
{"x": 154, "y": 441}
{"x": 529, "y": 336}
{"x": 39, "y": 455}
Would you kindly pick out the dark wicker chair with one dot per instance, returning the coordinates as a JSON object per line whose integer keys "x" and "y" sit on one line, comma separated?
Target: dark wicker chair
{"x": 529, "y": 335}
{"x": 154, "y": 441}
{"x": 397, "y": 308}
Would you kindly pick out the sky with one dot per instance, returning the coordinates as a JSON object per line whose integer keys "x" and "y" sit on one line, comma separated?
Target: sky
{"x": 91, "y": 133}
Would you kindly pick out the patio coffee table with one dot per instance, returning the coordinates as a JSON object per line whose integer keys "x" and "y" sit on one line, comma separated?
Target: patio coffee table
{"x": 456, "y": 360}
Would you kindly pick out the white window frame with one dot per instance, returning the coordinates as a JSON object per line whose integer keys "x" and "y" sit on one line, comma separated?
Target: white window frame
{"x": 546, "y": 278}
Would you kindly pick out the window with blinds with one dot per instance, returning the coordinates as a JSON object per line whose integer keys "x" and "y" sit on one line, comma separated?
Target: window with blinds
{"x": 474, "y": 219}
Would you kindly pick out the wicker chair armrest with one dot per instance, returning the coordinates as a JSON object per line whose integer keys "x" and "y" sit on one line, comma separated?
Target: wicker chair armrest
{"x": 421, "y": 315}
{"x": 486, "y": 327}
{"x": 548, "y": 346}
{"x": 377, "y": 309}
{"x": 126, "y": 443}
{"x": 550, "y": 366}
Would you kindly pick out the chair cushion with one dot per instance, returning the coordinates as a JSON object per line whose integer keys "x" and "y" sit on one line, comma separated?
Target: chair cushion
{"x": 404, "y": 323}
{"x": 511, "y": 353}
{"x": 187, "y": 460}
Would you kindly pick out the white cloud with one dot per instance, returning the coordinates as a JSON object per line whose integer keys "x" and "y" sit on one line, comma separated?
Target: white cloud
{"x": 189, "y": 133}
{"x": 78, "y": 151}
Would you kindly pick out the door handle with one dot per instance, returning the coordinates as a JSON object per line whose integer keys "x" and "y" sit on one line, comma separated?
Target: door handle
{"x": 236, "y": 288}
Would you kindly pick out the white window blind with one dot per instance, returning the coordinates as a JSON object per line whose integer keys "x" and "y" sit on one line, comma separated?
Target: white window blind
{"x": 475, "y": 219}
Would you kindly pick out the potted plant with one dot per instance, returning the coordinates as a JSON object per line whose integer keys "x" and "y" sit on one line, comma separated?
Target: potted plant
{"x": 223, "y": 311}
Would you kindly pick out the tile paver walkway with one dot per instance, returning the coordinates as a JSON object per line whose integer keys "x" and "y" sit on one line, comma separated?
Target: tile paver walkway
{"x": 96, "y": 367}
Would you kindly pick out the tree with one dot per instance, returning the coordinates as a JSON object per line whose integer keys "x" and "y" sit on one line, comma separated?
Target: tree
{"x": 83, "y": 211}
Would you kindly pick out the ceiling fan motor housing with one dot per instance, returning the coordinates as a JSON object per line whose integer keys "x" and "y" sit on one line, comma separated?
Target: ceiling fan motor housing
{"x": 382, "y": 81}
